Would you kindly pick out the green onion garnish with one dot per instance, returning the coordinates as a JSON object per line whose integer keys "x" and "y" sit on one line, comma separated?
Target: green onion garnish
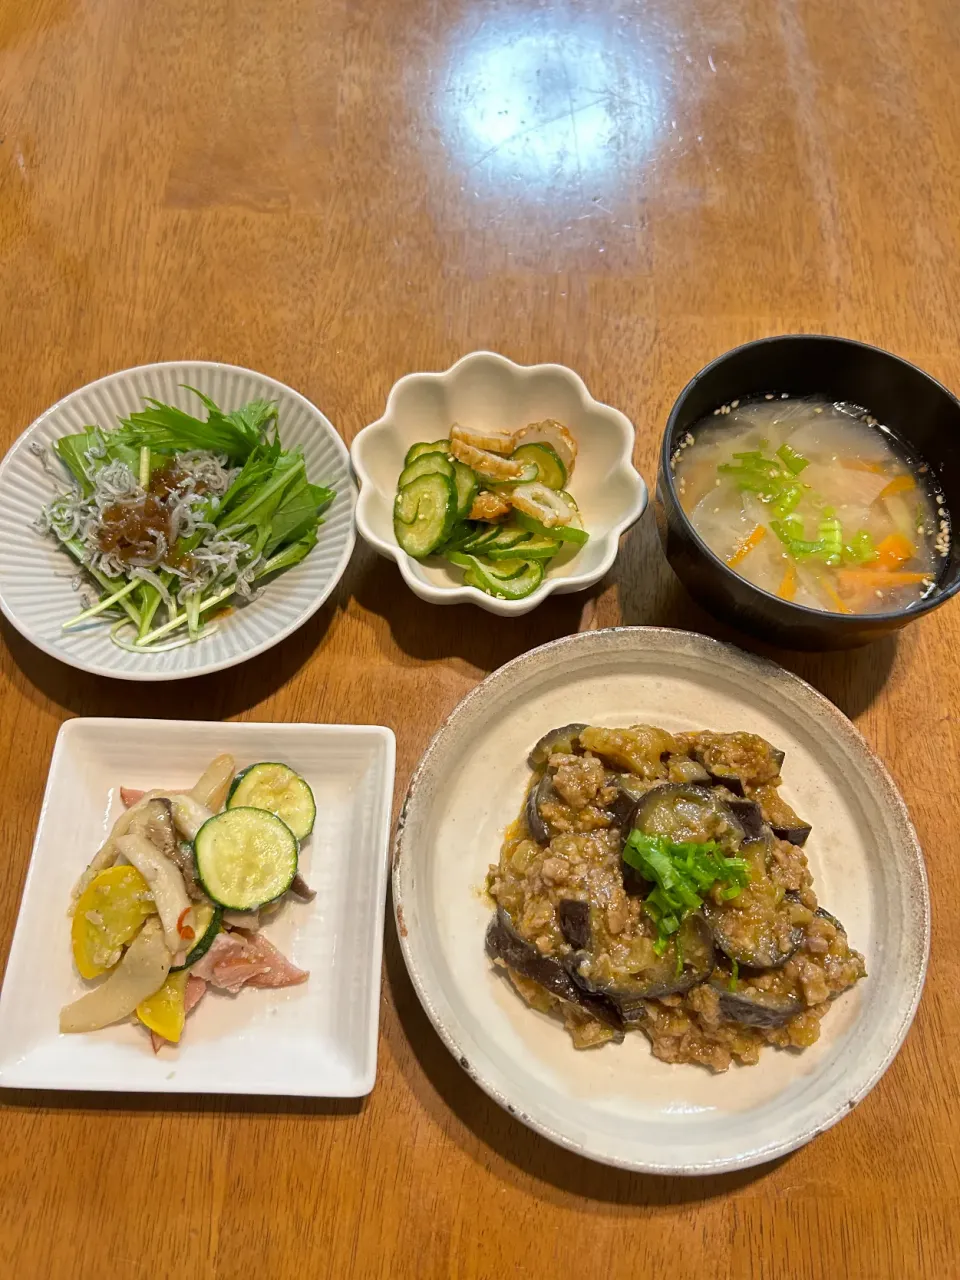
{"x": 682, "y": 874}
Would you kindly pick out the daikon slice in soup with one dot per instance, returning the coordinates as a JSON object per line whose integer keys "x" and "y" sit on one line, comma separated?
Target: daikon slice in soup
{"x": 815, "y": 502}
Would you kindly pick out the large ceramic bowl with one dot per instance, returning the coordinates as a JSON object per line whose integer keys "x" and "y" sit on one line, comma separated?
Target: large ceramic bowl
{"x": 919, "y": 410}
{"x": 36, "y": 577}
{"x": 487, "y": 390}
{"x": 619, "y": 1104}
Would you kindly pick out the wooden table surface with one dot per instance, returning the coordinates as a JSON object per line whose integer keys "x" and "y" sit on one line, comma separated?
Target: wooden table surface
{"x": 339, "y": 192}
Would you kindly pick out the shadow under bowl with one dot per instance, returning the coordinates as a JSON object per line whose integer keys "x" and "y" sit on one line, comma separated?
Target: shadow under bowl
{"x": 925, "y": 417}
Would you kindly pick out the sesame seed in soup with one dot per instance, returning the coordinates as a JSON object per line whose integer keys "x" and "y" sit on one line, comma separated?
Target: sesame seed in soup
{"x": 816, "y": 502}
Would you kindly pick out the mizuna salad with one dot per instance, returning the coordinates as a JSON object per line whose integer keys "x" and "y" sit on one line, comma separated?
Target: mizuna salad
{"x": 176, "y": 898}
{"x": 494, "y": 504}
{"x": 171, "y": 516}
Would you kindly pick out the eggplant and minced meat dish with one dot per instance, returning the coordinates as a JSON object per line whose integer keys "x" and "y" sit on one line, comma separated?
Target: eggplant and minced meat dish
{"x": 657, "y": 880}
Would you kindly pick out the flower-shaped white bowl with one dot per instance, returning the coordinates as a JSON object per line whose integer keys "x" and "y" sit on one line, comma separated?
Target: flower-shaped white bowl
{"x": 488, "y": 391}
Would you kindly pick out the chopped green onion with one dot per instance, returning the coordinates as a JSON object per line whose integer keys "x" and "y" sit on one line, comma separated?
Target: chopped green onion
{"x": 681, "y": 873}
{"x": 793, "y": 461}
{"x": 734, "y": 976}
{"x": 860, "y": 549}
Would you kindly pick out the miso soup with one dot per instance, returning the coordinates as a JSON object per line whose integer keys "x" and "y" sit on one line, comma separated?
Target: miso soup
{"x": 814, "y": 502}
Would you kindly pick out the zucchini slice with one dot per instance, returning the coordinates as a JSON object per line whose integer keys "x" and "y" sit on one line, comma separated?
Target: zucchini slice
{"x": 550, "y": 469}
{"x": 208, "y": 926}
{"x": 424, "y": 465}
{"x": 245, "y": 858}
{"x": 415, "y": 450}
{"x": 424, "y": 512}
{"x": 276, "y": 788}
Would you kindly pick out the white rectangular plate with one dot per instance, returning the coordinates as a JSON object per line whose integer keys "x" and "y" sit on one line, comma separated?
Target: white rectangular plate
{"x": 317, "y": 1039}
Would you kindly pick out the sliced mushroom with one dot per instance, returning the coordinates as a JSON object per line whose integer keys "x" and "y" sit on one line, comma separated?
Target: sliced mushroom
{"x": 142, "y": 970}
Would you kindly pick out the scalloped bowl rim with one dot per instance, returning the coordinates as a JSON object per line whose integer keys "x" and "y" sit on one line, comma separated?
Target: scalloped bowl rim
{"x": 455, "y": 594}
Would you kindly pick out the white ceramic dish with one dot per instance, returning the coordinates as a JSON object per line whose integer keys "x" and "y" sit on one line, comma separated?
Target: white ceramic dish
{"x": 317, "y": 1039}
{"x": 487, "y": 390}
{"x": 619, "y": 1104}
{"x": 36, "y": 577}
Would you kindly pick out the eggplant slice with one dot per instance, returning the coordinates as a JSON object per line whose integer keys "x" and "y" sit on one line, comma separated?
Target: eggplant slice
{"x": 628, "y": 992}
{"x": 761, "y": 947}
{"x": 683, "y": 811}
{"x": 504, "y": 943}
{"x": 563, "y": 740}
{"x": 753, "y": 1008}
{"x": 781, "y": 817}
{"x": 737, "y": 760}
{"x": 543, "y": 792}
{"x": 750, "y": 816}
{"x": 574, "y": 919}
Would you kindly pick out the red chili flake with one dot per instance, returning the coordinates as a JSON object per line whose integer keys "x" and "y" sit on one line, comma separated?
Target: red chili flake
{"x": 185, "y": 931}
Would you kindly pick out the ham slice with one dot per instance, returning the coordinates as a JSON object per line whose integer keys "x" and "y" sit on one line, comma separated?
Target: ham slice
{"x": 236, "y": 960}
{"x": 193, "y": 991}
{"x": 131, "y": 796}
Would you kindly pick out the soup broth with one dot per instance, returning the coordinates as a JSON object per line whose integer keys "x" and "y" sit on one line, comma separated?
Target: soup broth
{"x": 814, "y": 502}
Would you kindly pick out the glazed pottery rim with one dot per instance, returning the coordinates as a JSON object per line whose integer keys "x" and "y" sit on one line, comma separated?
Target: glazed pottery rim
{"x": 798, "y": 612}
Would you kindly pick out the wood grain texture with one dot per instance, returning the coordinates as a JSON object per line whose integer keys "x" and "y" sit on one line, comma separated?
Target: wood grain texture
{"x": 337, "y": 193}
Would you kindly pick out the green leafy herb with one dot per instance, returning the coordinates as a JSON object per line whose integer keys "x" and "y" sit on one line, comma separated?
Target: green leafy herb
{"x": 265, "y": 522}
{"x": 166, "y": 429}
{"x": 682, "y": 874}
{"x": 75, "y": 453}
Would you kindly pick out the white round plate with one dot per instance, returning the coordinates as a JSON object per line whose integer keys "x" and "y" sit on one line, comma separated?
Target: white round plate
{"x": 618, "y": 1104}
{"x": 36, "y": 577}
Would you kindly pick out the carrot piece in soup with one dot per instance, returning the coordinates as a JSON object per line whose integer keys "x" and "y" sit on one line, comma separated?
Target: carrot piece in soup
{"x": 746, "y": 545}
{"x": 893, "y": 551}
{"x": 899, "y": 484}
{"x": 788, "y": 583}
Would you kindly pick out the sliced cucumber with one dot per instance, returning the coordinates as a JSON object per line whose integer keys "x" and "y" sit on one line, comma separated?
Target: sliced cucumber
{"x": 424, "y": 465}
{"x": 487, "y": 533}
{"x": 462, "y": 531}
{"x": 527, "y": 475}
{"x": 565, "y": 532}
{"x": 276, "y": 788}
{"x": 208, "y": 926}
{"x": 484, "y": 575}
{"x": 415, "y": 450}
{"x": 467, "y": 484}
{"x": 424, "y": 513}
{"x": 245, "y": 857}
{"x": 507, "y": 537}
{"x": 534, "y": 548}
{"x": 550, "y": 469}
